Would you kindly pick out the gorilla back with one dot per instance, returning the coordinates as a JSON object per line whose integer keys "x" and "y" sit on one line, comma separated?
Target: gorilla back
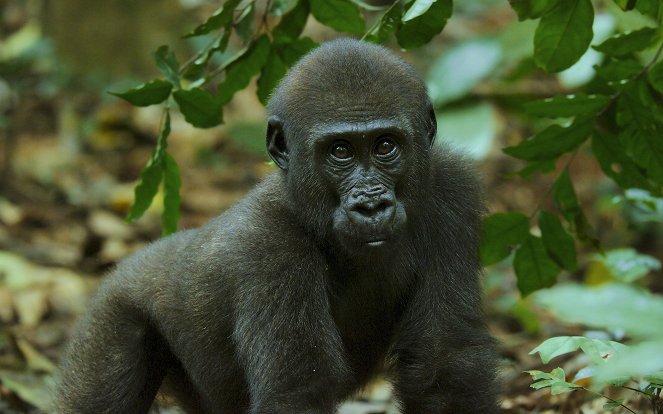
{"x": 357, "y": 256}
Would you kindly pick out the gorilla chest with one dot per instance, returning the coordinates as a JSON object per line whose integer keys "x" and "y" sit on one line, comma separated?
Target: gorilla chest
{"x": 366, "y": 312}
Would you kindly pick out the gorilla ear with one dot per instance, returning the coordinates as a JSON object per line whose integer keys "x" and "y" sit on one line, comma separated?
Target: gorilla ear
{"x": 432, "y": 126}
{"x": 276, "y": 143}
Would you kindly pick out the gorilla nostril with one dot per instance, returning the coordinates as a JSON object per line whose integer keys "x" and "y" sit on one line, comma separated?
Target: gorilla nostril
{"x": 371, "y": 209}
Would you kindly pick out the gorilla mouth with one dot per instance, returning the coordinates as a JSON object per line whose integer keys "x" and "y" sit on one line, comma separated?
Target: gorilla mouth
{"x": 377, "y": 243}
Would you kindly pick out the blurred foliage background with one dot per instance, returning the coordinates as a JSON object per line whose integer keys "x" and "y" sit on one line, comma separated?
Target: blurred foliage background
{"x": 71, "y": 156}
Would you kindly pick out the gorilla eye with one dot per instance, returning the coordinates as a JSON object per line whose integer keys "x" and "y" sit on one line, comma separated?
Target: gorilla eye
{"x": 385, "y": 146}
{"x": 341, "y": 151}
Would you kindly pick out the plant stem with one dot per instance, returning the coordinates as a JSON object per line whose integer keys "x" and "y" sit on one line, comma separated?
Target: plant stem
{"x": 377, "y": 22}
{"x": 609, "y": 399}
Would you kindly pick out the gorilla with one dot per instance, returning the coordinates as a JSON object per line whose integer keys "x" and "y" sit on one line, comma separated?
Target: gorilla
{"x": 357, "y": 256}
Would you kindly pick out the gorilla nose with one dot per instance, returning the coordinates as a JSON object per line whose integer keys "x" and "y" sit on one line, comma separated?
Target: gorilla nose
{"x": 372, "y": 211}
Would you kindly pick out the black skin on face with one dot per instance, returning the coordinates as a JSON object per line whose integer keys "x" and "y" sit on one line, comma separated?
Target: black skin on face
{"x": 357, "y": 256}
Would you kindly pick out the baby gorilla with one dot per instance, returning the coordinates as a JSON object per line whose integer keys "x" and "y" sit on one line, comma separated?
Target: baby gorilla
{"x": 357, "y": 256}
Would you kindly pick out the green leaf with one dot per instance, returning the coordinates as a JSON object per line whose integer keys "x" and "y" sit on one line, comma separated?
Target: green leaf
{"x": 553, "y": 141}
{"x": 644, "y": 206}
{"x": 171, "y": 195}
{"x": 559, "y": 244}
{"x": 628, "y": 265}
{"x": 608, "y": 306}
{"x": 270, "y": 76}
{"x": 626, "y": 5}
{"x": 291, "y": 52}
{"x": 222, "y": 17}
{"x": 389, "y": 22}
{"x": 292, "y": 24}
{"x": 199, "y": 107}
{"x": 147, "y": 94}
{"x": 611, "y": 405}
{"x": 340, "y": 15}
{"x": 458, "y": 70}
{"x": 568, "y": 105}
{"x": 531, "y": 9}
{"x": 167, "y": 65}
{"x": 534, "y": 268}
{"x": 150, "y": 177}
{"x": 641, "y": 129}
{"x": 501, "y": 232}
{"x": 625, "y": 43}
{"x": 611, "y": 155}
{"x": 244, "y": 25}
{"x": 565, "y": 196}
{"x": 596, "y": 349}
{"x": 240, "y": 72}
{"x": 563, "y": 35}
{"x": 420, "y": 30}
{"x": 655, "y": 76}
{"x": 418, "y": 8}
{"x": 614, "y": 70}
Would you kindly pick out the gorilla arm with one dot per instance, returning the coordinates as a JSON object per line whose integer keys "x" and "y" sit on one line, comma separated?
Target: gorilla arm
{"x": 445, "y": 358}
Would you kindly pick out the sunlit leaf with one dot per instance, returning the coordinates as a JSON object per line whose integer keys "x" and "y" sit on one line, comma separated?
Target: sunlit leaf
{"x": 417, "y": 8}
{"x": 420, "y": 30}
{"x": 628, "y": 265}
{"x": 461, "y": 68}
{"x": 596, "y": 349}
{"x": 611, "y": 306}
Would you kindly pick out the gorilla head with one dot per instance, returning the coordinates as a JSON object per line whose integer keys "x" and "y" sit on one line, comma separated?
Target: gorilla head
{"x": 353, "y": 124}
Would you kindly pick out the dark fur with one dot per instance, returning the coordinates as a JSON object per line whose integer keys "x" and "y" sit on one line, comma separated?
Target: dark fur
{"x": 267, "y": 309}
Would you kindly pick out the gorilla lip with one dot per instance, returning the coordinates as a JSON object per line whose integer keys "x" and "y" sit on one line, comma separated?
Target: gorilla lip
{"x": 377, "y": 243}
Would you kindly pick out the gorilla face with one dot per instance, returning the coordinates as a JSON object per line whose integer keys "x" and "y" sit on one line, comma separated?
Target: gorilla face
{"x": 362, "y": 163}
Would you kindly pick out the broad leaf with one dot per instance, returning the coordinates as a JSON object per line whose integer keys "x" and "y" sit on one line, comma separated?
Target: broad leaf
{"x": 292, "y": 24}
{"x": 534, "y": 268}
{"x": 418, "y": 8}
{"x": 628, "y": 265}
{"x": 611, "y": 306}
{"x": 461, "y": 68}
{"x": 565, "y": 196}
{"x": 240, "y": 72}
{"x": 556, "y": 380}
{"x": 568, "y": 105}
{"x": 171, "y": 195}
{"x": 531, "y": 9}
{"x": 167, "y": 65}
{"x": 291, "y": 52}
{"x": 553, "y": 141}
{"x": 150, "y": 177}
{"x": 149, "y": 93}
{"x": 199, "y": 107}
{"x": 559, "y": 244}
{"x": 563, "y": 35}
{"x": 614, "y": 70}
{"x": 340, "y": 15}
{"x": 389, "y": 22}
{"x": 641, "y": 130}
{"x": 420, "y": 30}
{"x": 655, "y": 76}
{"x": 611, "y": 155}
{"x": 270, "y": 76}
{"x": 597, "y": 349}
{"x": 625, "y": 43}
{"x": 501, "y": 232}
{"x": 222, "y": 17}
